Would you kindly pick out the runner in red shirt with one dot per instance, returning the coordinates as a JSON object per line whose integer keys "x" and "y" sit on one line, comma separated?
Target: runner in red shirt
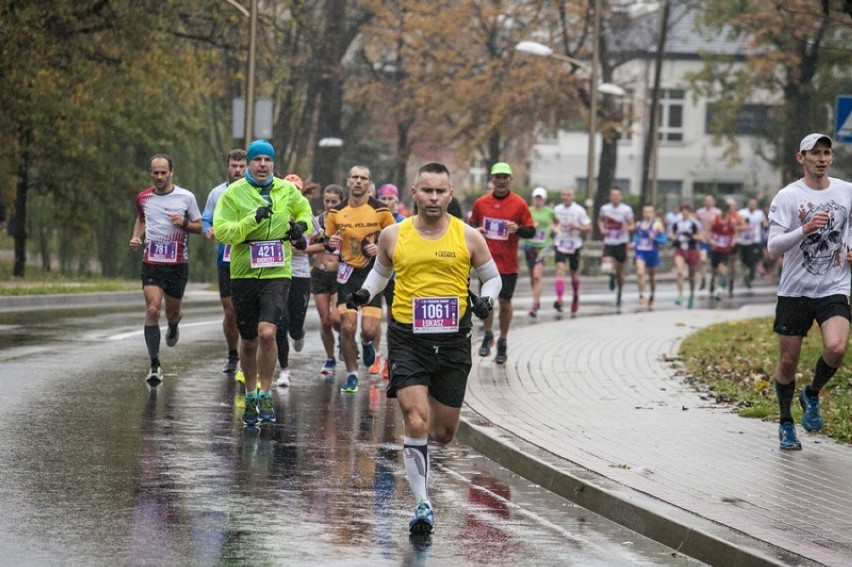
{"x": 503, "y": 218}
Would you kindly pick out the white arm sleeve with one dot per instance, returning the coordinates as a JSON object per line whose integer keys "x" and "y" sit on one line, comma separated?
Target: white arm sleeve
{"x": 780, "y": 241}
{"x": 377, "y": 279}
{"x": 490, "y": 278}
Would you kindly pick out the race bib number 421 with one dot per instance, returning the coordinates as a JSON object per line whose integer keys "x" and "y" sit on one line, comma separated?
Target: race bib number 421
{"x": 435, "y": 315}
{"x": 267, "y": 254}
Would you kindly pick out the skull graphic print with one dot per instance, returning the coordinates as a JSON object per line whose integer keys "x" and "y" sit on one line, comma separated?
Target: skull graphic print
{"x": 825, "y": 247}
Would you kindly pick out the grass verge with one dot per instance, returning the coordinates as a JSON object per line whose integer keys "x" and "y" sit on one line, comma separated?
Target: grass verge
{"x": 48, "y": 283}
{"x": 735, "y": 362}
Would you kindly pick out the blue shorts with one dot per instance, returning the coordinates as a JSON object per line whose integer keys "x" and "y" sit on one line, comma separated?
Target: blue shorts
{"x": 650, "y": 257}
{"x": 704, "y": 246}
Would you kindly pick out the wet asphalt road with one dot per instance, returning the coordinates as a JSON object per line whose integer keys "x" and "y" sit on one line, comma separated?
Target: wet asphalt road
{"x": 97, "y": 468}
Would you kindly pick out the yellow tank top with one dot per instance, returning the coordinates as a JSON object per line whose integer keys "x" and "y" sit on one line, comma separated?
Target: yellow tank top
{"x": 429, "y": 268}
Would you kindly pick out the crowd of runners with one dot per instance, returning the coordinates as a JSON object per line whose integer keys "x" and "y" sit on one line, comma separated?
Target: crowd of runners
{"x": 430, "y": 272}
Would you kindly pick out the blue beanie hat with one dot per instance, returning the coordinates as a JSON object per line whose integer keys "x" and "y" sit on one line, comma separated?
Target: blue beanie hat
{"x": 260, "y": 148}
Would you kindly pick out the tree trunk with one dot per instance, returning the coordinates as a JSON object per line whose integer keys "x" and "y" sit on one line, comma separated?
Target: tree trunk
{"x": 330, "y": 91}
{"x": 19, "y": 224}
{"x": 403, "y": 152}
{"x": 494, "y": 149}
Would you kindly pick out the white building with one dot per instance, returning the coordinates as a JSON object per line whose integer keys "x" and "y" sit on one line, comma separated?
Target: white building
{"x": 688, "y": 162}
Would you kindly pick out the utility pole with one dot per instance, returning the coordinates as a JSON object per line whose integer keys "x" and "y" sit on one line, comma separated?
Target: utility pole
{"x": 649, "y": 190}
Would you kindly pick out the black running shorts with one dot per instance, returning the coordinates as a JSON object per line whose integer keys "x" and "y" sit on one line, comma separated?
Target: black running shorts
{"x": 257, "y": 301}
{"x": 323, "y": 282}
{"x": 508, "y": 289}
{"x": 439, "y": 361}
{"x": 170, "y": 278}
{"x": 573, "y": 259}
{"x": 794, "y": 316}
{"x": 618, "y": 252}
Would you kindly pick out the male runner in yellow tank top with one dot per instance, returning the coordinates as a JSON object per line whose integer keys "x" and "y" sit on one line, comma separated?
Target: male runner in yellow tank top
{"x": 429, "y": 336}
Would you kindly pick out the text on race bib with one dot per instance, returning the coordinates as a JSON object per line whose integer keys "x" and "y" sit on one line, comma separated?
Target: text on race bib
{"x": 344, "y": 272}
{"x": 267, "y": 254}
{"x": 435, "y": 314}
{"x": 164, "y": 252}
{"x": 496, "y": 229}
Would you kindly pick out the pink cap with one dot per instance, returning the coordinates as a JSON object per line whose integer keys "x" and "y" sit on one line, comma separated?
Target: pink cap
{"x": 388, "y": 189}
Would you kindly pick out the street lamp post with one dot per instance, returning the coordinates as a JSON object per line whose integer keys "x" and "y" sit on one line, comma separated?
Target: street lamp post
{"x": 541, "y": 50}
{"x": 248, "y": 125}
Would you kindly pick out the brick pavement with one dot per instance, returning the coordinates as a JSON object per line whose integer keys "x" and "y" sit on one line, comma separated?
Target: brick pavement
{"x": 596, "y": 398}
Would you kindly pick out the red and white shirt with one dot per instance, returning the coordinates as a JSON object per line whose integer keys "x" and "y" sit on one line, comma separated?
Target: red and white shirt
{"x": 165, "y": 242}
{"x": 615, "y": 222}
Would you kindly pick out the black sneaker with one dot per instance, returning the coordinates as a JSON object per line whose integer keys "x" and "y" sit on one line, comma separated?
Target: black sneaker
{"x": 485, "y": 349}
{"x": 155, "y": 375}
{"x": 231, "y": 364}
{"x": 172, "y": 336}
{"x": 501, "y": 352}
{"x": 558, "y": 306}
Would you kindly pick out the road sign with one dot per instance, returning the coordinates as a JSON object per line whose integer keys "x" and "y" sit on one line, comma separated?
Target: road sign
{"x": 843, "y": 119}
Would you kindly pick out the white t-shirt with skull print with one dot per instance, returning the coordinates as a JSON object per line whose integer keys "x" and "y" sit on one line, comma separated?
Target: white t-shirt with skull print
{"x": 817, "y": 266}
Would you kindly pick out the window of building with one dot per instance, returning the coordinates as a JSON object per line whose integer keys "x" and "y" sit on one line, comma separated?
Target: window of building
{"x": 751, "y": 120}
{"x": 670, "y": 115}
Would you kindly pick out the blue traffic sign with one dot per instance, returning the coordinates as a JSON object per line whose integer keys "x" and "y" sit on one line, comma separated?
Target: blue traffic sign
{"x": 843, "y": 119}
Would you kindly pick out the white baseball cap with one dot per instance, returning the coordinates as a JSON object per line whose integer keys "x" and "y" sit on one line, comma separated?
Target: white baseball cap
{"x": 540, "y": 192}
{"x": 809, "y": 141}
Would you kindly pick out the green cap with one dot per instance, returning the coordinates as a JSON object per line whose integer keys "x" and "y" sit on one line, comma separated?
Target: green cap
{"x": 501, "y": 168}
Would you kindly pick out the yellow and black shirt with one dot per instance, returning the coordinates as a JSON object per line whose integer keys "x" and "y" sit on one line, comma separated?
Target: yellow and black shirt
{"x": 358, "y": 227}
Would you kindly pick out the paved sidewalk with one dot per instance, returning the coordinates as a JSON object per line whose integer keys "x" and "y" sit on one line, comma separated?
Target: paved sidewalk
{"x": 592, "y": 409}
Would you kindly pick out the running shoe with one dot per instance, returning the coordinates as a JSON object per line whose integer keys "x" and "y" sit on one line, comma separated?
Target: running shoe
{"x": 283, "y": 379}
{"x": 575, "y": 304}
{"x": 328, "y": 366}
{"x": 557, "y": 305}
{"x": 368, "y": 353}
{"x": 250, "y": 415}
{"x": 155, "y": 375}
{"x": 172, "y": 336}
{"x": 811, "y": 418}
{"x": 351, "y": 384}
{"x": 501, "y": 351}
{"x": 690, "y": 303}
{"x": 240, "y": 377}
{"x": 423, "y": 521}
{"x": 299, "y": 344}
{"x": 231, "y": 364}
{"x": 787, "y": 437}
{"x": 487, "y": 342}
{"x": 679, "y": 300}
{"x": 264, "y": 408}
{"x": 376, "y": 367}
{"x": 534, "y": 310}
